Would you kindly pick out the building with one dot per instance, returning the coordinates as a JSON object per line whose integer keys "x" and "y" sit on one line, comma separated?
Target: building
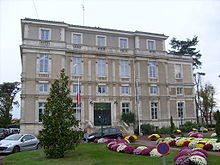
{"x": 119, "y": 71}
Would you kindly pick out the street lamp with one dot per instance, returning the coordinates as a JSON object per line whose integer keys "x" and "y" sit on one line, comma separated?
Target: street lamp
{"x": 101, "y": 120}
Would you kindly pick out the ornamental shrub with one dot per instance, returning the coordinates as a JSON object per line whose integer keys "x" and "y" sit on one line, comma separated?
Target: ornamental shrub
{"x": 57, "y": 135}
{"x": 217, "y": 126}
{"x": 128, "y": 118}
{"x": 147, "y": 129}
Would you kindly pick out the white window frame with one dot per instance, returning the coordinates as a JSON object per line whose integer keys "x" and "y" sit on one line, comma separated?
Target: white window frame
{"x": 154, "y": 110}
{"x": 179, "y": 90}
{"x": 75, "y": 89}
{"x": 49, "y": 34}
{"x": 125, "y": 92}
{"x": 77, "y": 111}
{"x": 97, "y": 42}
{"x": 42, "y": 108}
{"x": 44, "y": 86}
{"x": 180, "y": 109}
{"x": 125, "y": 108}
{"x": 45, "y": 69}
{"x": 102, "y": 85}
{"x": 124, "y": 69}
{"x": 152, "y": 69}
{"x": 101, "y": 72}
{"x": 153, "y": 90}
{"x": 81, "y": 38}
{"x": 178, "y": 74}
{"x": 119, "y": 42}
{"x": 77, "y": 66}
{"x": 154, "y": 44}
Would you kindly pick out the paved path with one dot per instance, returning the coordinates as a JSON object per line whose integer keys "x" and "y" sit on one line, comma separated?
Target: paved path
{"x": 143, "y": 140}
{"x": 1, "y": 160}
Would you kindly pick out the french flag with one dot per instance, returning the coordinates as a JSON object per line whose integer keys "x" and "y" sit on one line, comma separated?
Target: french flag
{"x": 78, "y": 97}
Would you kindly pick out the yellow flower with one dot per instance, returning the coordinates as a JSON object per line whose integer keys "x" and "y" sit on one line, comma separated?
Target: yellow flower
{"x": 126, "y": 137}
{"x": 179, "y": 144}
{"x": 199, "y": 145}
{"x": 206, "y": 130}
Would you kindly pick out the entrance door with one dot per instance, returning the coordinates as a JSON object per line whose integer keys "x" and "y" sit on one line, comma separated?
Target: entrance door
{"x": 102, "y": 114}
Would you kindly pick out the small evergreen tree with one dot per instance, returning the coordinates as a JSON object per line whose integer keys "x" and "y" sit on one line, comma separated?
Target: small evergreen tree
{"x": 56, "y": 137}
{"x": 172, "y": 127}
{"x": 217, "y": 126}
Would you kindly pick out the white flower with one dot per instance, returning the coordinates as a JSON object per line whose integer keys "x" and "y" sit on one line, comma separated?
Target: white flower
{"x": 155, "y": 153}
{"x": 142, "y": 147}
{"x": 216, "y": 147}
{"x": 121, "y": 147}
{"x": 198, "y": 160}
{"x": 102, "y": 140}
{"x": 110, "y": 144}
{"x": 213, "y": 134}
{"x": 193, "y": 144}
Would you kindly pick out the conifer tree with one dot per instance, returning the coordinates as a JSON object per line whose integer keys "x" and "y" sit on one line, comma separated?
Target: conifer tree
{"x": 172, "y": 127}
{"x": 57, "y": 135}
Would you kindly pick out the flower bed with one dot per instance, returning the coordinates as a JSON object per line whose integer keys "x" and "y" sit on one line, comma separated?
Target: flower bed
{"x": 206, "y": 144}
{"x": 196, "y": 135}
{"x": 130, "y": 149}
{"x": 188, "y": 156}
{"x": 106, "y": 140}
{"x": 131, "y": 138}
{"x": 154, "y": 137}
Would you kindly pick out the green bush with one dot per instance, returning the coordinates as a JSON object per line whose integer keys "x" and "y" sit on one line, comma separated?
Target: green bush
{"x": 147, "y": 129}
{"x": 163, "y": 130}
{"x": 128, "y": 118}
{"x": 188, "y": 125}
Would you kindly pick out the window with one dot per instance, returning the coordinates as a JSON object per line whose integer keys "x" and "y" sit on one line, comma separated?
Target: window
{"x": 44, "y": 63}
{"x": 178, "y": 71}
{"x": 154, "y": 110}
{"x": 102, "y": 89}
{"x": 44, "y": 34}
{"x": 152, "y": 69}
{"x": 101, "y": 41}
{"x": 180, "y": 106}
{"x": 123, "y": 43}
{"x": 101, "y": 68}
{"x": 125, "y": 107}
{"x": 150, "y": 44}
{"x": 41, "y": 107}
{"x": 77, "y": 69}
{"x": 77, "y": 38}
{"x": 77, "y": 111}
{"x": 153, "y": 90}
{"x": 43, "y": 87}
{"x": 124, "y": 90}
{"x": 76, "y": 88}
{"x": 124, "y": 68}
{"x": 179, "y": 91}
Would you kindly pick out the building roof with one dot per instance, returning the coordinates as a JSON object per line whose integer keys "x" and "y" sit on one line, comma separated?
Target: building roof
{"x": 61, "y": 23}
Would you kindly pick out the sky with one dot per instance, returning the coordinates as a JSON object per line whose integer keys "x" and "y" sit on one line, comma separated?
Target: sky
{"x": 181, "y": 19}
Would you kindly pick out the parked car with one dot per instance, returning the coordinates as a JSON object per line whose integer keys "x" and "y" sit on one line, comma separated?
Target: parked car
{"x": 112, "y": 133}
{"x": 3, "y": 133}
{"x": 18, "y": 142}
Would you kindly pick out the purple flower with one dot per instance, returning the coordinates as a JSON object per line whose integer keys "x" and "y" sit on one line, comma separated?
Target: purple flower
{"x": 197, "y": 153}
{"x": 182, "y": 160}
{"x": 129, "y": 149}
{"x": 137, "y": 151}
{"x": 114, "y": 147}
{"x": 201, "y": 150}
{"x": 146, "y": 151}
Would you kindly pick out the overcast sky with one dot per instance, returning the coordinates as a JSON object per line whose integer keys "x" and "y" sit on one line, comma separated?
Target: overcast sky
{"x": 175, "y": 18}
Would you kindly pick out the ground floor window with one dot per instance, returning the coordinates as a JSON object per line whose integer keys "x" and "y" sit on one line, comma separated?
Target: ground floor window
{"x": 77, "y": 111}
{"x": 180, "y": 106}
{"x": 125, "y": 107}
{"x": 41, "y": 107}
{"x": 154, "y": 110}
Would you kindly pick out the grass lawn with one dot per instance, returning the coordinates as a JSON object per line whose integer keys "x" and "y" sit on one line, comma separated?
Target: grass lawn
{"x": 92, "y": 154}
